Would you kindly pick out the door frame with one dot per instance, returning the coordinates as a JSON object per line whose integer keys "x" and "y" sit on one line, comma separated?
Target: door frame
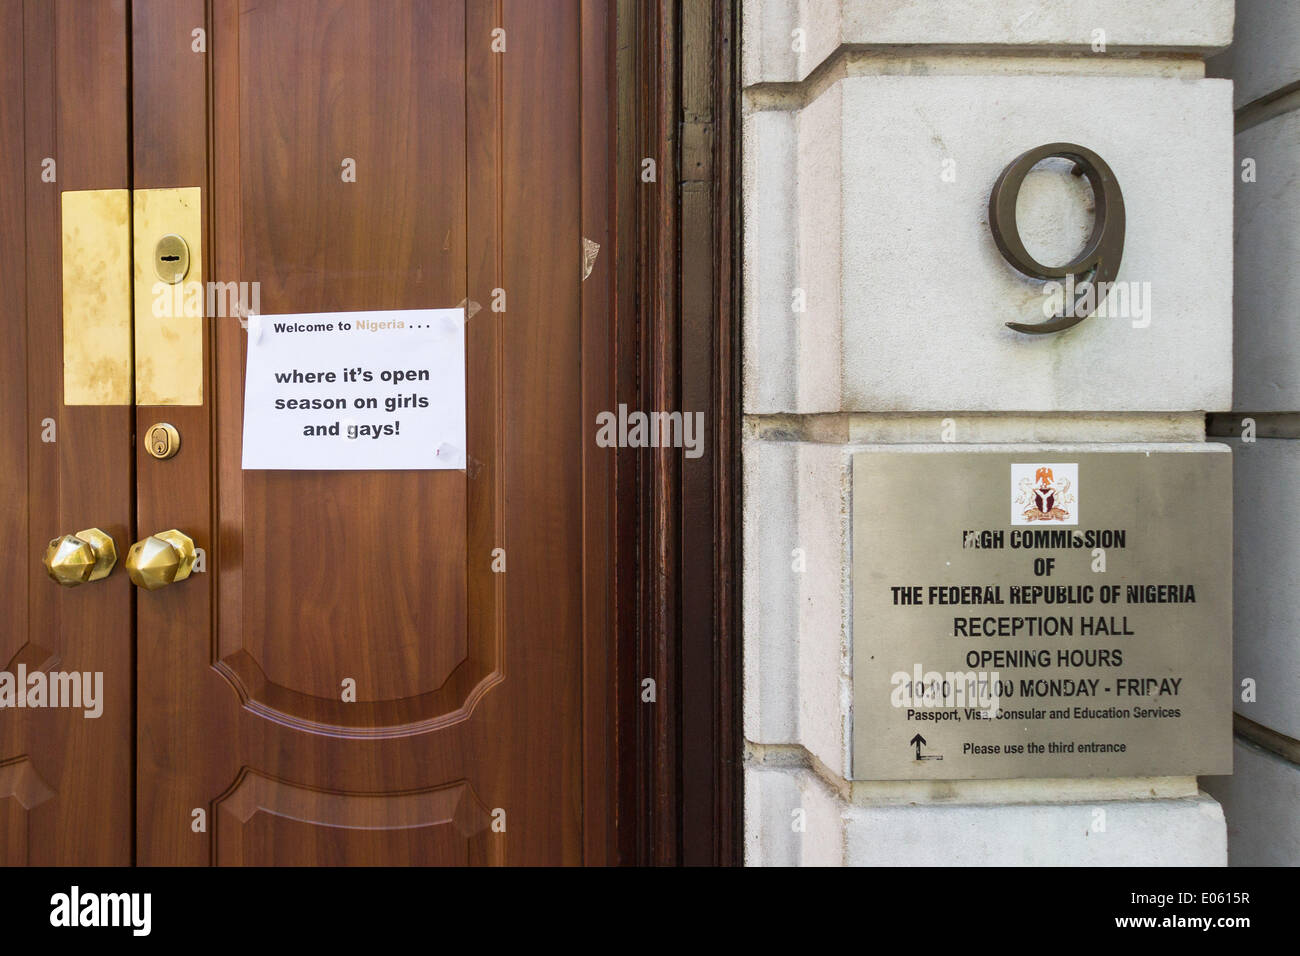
{"x": 677, "y": 561}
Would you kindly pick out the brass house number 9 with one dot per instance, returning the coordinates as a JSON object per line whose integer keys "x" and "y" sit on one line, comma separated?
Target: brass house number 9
{"x": 1097, "y": 265}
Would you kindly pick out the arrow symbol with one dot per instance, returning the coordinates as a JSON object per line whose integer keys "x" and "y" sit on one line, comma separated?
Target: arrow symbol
{"x": 918, "y": 741}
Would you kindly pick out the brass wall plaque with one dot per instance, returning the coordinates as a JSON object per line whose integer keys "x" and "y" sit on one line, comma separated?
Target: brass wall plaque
{"x": 988, "y": 641}
{"x": 96, "y": 227}
{"x": 168, "y": 311}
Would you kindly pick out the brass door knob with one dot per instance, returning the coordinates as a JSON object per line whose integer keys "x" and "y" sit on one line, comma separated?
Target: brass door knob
{"x": 77, "y": 558}
{"x": 160, "y": 559}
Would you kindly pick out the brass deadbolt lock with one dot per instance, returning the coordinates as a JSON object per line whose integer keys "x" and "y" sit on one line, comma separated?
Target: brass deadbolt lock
{"x": 171, "y": 258}
{"x": 163, "y": 441}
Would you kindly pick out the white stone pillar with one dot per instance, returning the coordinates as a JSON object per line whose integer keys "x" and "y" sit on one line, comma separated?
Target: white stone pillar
{"x": 1262, "y": 797}
{"x": 875, "y": 303}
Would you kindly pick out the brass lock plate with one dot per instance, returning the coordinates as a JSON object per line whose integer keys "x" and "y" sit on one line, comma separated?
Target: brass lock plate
{"x": 96, "y": 227}
{"x": 162, "y": 440}
{"x": 171, "y": 258}
{"x": 169, "y": 296}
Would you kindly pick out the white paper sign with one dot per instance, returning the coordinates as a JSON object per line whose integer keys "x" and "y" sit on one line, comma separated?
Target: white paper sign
{"x": 356, "y": 391}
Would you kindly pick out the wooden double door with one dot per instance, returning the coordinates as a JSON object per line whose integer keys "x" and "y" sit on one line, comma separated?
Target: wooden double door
{"x": 347, "y": 155}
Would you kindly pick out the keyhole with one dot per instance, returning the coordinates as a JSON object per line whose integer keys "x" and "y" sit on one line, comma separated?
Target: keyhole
{"x": 171, "y": 258}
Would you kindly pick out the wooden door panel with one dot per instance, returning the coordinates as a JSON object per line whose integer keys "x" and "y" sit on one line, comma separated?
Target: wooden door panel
{"x": 264, "y": 818}
{"x": 385, "y": 88}
{"x": 65, "y": 779}
{"x": 470, "y": 700}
